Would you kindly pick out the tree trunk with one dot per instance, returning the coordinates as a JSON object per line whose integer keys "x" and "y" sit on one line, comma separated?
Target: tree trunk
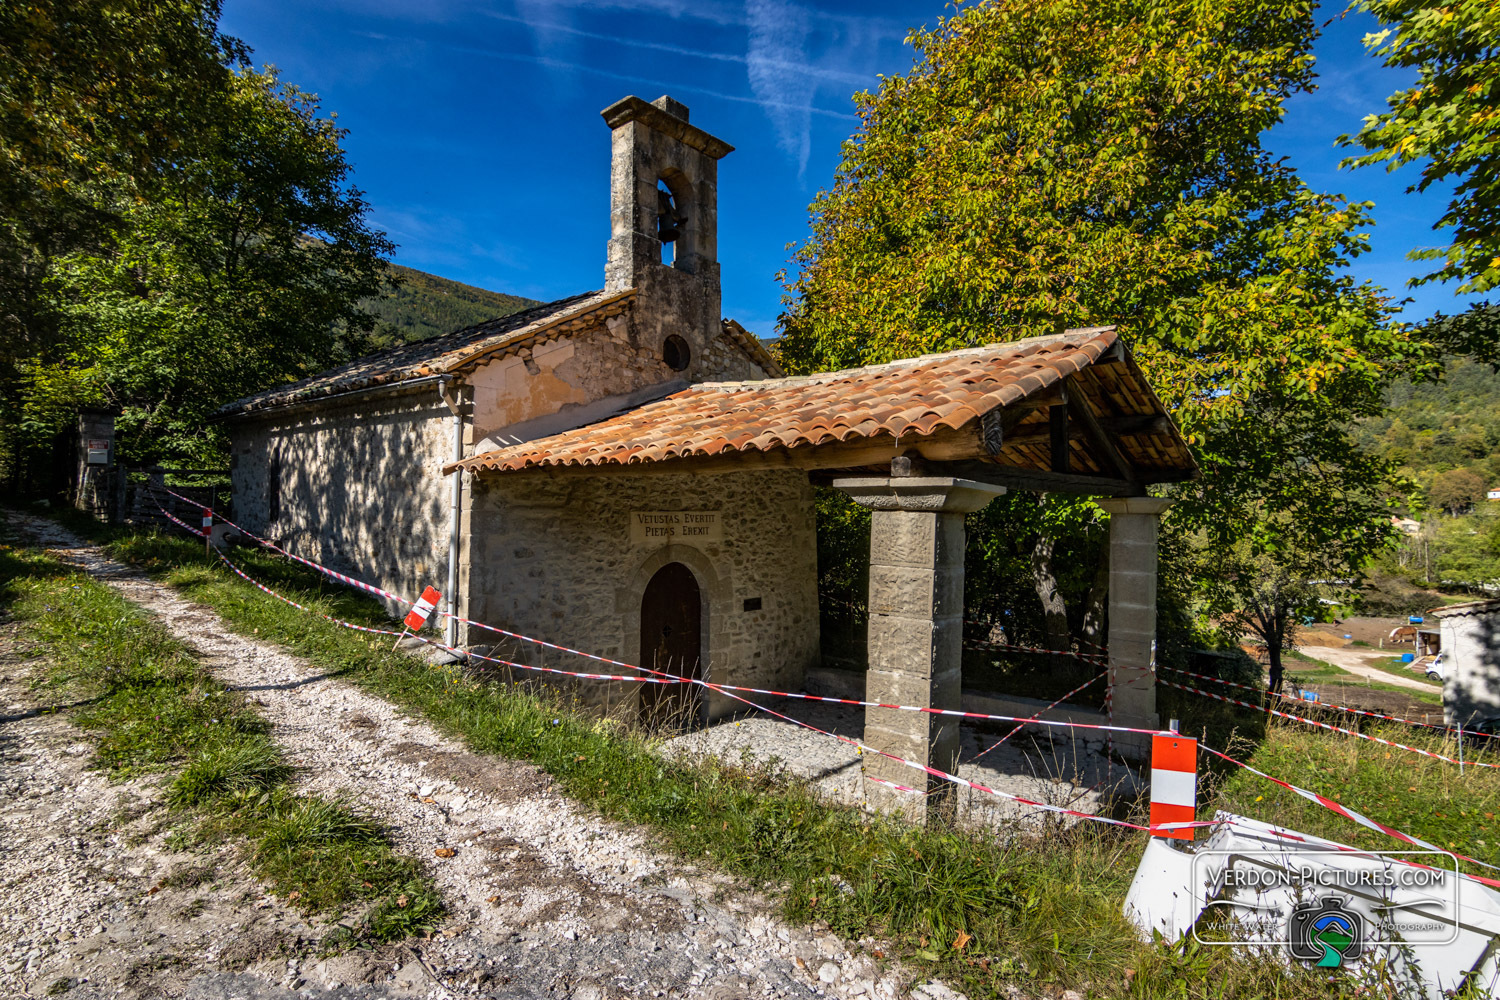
{"x": 1054, "y": 609}
{"x": 1098, "y": 602}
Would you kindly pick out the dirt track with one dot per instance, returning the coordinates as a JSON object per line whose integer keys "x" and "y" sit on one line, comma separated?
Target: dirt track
{"x": 1353, "y": 660}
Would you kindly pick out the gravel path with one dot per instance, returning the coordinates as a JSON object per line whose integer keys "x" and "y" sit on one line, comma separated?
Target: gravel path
{"x": 548, "y": 901}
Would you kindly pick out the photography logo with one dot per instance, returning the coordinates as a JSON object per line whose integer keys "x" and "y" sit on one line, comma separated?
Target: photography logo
{"x": 1329, "y": 908}
{"x": 1325, "y": 933}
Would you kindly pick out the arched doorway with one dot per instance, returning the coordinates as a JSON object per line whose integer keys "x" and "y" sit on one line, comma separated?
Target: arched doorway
{"x": 672, "y": 642}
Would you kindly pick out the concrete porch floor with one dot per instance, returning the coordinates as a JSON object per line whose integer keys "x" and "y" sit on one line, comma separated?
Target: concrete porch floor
{"x": 1069, "y": 769}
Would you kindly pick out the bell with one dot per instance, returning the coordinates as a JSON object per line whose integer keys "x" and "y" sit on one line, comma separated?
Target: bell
{"x": 667, "y": 219}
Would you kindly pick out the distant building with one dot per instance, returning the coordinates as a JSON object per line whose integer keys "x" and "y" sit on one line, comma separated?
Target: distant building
{"x": 1406, "y": 525}
{"x": 1493, "y": 494}
{"x": 1470, "y": 643}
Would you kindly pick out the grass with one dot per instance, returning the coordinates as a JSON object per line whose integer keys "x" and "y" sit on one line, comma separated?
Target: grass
{"x": 156, "y": 710}
{"x": 1393, "y": 665}
{"x": 1040, "y": 912}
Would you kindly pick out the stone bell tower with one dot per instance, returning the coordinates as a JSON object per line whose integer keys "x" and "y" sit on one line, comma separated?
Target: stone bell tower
{"x": 664, "y": 214}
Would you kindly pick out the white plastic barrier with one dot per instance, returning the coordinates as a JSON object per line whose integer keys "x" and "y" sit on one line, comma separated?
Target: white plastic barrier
{"x": 1405, "y": 917}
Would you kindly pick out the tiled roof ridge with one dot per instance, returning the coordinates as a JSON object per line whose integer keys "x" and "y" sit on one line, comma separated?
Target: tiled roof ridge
{"x": 1467, "y": 608}
{"x": 587, "y": 304}
{"x": 1007, "y": 346}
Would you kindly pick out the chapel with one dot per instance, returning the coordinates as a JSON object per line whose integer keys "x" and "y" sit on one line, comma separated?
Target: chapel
{"x": 629, "y": 473}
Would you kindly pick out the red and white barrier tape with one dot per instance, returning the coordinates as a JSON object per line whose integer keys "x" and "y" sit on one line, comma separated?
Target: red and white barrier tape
{"x": 946, "y": 776}
{"x": 955, "y": 713}
{"x": 1012, "y": 648}
{"x": 380, "y": 631}
{"x": 1046, "y": 807}
{"x": 724, "y": 689}
{"x": 1326, "y": 725}
{"x": 181, "y": 523}
{"x": 301, "y": 607}
{"x": 1038, "y": 715}
{"x": 1330, "y": 705}
{"x": 1357, "y": 817}
{"x": 340, "y": 577}
{"x": 862, "y": 747}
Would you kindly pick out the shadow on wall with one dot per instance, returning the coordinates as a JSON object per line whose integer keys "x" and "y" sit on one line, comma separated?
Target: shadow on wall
{"x": 1471, "y": 693}
{"x": 357, "y": 491}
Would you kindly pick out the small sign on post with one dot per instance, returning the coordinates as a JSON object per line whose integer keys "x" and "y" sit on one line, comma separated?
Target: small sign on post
{"x": 419, "y": 613}
{"x": 208, "y": 526}
{"x": 417, "y": 616}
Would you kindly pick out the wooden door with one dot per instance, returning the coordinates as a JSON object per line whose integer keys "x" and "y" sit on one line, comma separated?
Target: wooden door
{"x": 672, "y": 642}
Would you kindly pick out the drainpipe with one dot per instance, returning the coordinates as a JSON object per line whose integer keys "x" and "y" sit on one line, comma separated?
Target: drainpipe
{"x": 446, "y": 390}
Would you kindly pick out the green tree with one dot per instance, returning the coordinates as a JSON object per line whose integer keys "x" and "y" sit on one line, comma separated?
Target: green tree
{"x": 241, "y": 268}
{"x": 1455, "y": 491}
{"x": 1047, "y": 165}
{"x": 91, "y": 92}
{"x": 1448, "y": 121}
{"x": 1266, "y": 598}
{"x": 1475, "y": 332}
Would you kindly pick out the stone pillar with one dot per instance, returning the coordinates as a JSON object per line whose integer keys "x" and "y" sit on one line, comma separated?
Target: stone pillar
{"x": 93, "y": 490}
{"x": 916, "y": 632}
{"x": 1132, "y": 618}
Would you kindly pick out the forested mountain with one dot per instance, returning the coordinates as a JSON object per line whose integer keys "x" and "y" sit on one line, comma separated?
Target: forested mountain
{"x": 1434, "y": 428}
{"x": 424, "y": 305}
{"x": 1446, "y": 437}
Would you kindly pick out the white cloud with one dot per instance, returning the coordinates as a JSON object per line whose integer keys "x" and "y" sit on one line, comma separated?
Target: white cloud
{"x": 777, "y": 44}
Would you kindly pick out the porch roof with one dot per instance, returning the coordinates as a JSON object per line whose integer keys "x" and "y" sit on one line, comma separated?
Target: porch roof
{"x": 1070, "y": 412}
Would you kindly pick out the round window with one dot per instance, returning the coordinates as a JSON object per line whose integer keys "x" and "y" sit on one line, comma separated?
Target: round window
{"x": 676, "y": 353}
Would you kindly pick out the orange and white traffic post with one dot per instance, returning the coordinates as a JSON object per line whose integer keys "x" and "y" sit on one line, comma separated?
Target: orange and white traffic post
{"x": 1174, "y": 783}
{"x": 208, "y": 529}
{"x": 419, "y": 613}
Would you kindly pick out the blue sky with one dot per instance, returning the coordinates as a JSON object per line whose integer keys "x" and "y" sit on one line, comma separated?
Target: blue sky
{"x": 475, "y": 129}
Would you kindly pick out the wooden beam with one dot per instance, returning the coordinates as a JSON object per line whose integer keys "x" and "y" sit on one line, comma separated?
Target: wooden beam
{"x": 1101, "y": 440}
{"x": 1145, "y": 423}
{"x": 1043, "y": 482}
{"x": 1057, "y": 420}
{"x": 992, "y": 431}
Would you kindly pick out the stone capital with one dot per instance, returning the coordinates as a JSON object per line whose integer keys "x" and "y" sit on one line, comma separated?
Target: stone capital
{"x": 1135, "y": 505}
{"x": 932, "y": 494}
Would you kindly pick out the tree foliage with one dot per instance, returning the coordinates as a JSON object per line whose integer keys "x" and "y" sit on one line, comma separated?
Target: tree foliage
{"x": 1456, "y": 491}
{"x": 91, "y": 92}
{"x": 1050, "y": 164}
{"x": 207, "y": 244}
{"x": 1268, "y": 599}
{"x": 1448, "y": 121}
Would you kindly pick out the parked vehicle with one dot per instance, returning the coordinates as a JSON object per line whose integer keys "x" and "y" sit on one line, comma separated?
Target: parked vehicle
{"x": 1436, "y": 670}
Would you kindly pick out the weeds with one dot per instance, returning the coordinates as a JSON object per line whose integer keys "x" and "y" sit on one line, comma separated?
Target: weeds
{"x": 155, "y": 709}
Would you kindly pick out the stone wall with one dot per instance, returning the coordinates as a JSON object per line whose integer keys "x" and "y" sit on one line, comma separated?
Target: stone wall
{"x": 582, "y": 377}
{"x": 725, "y": 361}
{"x": 361, "y": 485}
{"x": 553, "y": 557}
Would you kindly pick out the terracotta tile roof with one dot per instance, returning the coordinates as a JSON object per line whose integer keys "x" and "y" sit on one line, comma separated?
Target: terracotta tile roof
{"x": 440, "y": 355}
{"x": 903, "y": 400}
